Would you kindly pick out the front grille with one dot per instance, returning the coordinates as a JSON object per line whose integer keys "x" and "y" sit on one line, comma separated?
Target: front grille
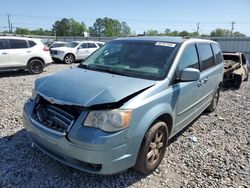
{"x": 56, "y": 117}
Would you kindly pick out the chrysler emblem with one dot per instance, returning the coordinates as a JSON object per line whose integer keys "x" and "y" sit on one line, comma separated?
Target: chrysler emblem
{"x": 52, "y": 100}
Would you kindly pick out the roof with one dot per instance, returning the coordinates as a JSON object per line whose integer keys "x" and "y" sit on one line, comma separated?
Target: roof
{"x": 156, "y": 38}
{"x": 164, "y": 39}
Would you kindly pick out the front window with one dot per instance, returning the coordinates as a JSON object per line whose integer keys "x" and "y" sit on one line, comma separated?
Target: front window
{"x": 72, "y": 44}
{"x": 148, "y": 60}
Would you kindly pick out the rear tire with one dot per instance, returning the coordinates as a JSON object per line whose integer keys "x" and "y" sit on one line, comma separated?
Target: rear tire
{"x": 35, "y": 66}
{"x": 237, "y": 81}
{"x": 214, "y": 102}
{"x": 69, "y": 59}
{"x": 152, "y": 148}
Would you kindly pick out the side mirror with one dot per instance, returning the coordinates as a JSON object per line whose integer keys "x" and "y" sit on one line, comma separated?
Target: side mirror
{"x": 79, "y": 47}
{"x": 190, "y": 74}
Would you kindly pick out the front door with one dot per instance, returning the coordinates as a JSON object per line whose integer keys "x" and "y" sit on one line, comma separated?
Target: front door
{"x": 82, "y": 51}
{"x": 187, "y": 93}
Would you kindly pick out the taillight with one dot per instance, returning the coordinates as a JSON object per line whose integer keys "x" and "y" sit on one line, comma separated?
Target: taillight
{"x": 45, "y": 48}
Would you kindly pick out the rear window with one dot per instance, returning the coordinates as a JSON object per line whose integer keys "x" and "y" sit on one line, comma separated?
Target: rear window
{"x": 217, "y": 54}
{"x": 31, "y": 43}
{"x": 17, "y": 43}
{"x": 206, "y": 56}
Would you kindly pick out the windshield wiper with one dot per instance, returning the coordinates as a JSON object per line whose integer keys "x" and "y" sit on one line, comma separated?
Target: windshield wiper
{"x": 84, "y": 66}
{"x": 108, "y": 70}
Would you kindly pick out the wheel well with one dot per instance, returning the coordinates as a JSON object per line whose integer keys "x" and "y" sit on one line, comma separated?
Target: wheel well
{"x": 167, "y": 118}
{"x": 36, "y": 58}
{"x": 68, "y": 54}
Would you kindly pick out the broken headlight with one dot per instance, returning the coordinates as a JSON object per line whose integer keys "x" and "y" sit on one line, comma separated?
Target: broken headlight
{"x": 109, "y": 120}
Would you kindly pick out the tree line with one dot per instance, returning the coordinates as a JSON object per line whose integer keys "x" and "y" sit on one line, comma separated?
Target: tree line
{"x": 108, "y": 27}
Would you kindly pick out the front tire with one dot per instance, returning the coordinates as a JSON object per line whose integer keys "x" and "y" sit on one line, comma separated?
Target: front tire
{"x": 152, "y": 148}
{"x": 69, "y": 59}
{"x": 35, "y": 66}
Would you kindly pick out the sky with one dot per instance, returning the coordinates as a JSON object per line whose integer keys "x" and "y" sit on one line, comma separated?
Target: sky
{"x": 141, "y": 15}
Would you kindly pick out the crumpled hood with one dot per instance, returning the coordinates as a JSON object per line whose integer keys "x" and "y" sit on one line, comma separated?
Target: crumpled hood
{"x": 84, "y": 87}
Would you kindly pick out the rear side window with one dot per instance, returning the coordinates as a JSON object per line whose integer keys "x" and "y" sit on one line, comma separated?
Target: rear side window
{"x": 189, "y": 58}
{"x": 84, "y": 45}
{"x": 92, "y": 45}
{"x": 217, "y": 54}
{"x": 3, "y": 44}
{"x": 31, "y": 43}
{"x": 206, "y": 56}
{"x": 16, "y": 43}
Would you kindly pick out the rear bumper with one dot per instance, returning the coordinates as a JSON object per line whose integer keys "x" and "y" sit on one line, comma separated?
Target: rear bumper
{"x": 105, "y": 153}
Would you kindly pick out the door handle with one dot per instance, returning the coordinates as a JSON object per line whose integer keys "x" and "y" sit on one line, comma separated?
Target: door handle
{"x": 200, "y": 82}
{"x": 205, "y": 80}
{"x": 4, "y": 53}
{"x": 28, "y": 51}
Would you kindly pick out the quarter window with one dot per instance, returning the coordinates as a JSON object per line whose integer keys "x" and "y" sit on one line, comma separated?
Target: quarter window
{"x": 15, "y": 44}
{"x": 31, "y": 43}
{"x": 189, "y": 58}
{"x": 92, "y": 45}
{"x": 217, "y": 54}
{"x": 206, "y": 56}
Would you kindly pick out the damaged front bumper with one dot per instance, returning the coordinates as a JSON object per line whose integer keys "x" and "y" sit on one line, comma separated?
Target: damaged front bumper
{"x": 84, "y": 148}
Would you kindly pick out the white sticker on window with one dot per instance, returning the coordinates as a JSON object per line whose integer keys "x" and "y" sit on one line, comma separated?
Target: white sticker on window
{"x": 167, "y": 44}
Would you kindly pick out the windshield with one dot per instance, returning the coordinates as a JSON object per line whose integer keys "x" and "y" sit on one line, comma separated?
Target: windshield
{"x": 72, "y": 44}
{"x": 149, "y": 60}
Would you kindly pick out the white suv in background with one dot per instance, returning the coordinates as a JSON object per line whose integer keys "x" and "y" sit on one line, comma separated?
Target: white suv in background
{"x": 23, "y": 53}
{"x": 75, "y": 50}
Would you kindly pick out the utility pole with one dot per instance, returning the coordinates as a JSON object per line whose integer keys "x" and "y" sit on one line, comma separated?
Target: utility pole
{"x": 8, "y": 16}
{"x": 232, "y": 28}
{"x": 198, "y": 27}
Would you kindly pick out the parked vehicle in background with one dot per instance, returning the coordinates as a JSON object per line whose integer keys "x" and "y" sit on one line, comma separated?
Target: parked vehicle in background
{"x": 235, "y": 68}
{"x": 120, "y": 106}
{"x": 23, "y": 53}
{"x": 57, "y": 44}
{"x": 75, "y": 50}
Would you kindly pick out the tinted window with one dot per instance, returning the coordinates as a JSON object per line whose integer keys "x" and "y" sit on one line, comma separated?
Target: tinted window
{"x": 31, "y": 43}
{"x": 84, "y": 45}
{"x": 217, "y": 54}
{"x": 206, "y": 56}
{"x": 15, "y": 43}
{"x": 189, "y": 58}
{"x": 2, "y": 44}
{"x": 92, "y": 45}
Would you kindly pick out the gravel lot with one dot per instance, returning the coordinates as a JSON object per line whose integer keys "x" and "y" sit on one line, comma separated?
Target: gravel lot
{"x": 220, "y": 157}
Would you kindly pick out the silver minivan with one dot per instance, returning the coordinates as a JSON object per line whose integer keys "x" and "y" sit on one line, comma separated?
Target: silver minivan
{"x": 120, "y": 106}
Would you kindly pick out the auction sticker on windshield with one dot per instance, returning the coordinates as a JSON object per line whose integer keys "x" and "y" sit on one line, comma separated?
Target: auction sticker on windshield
{"x": 167, "y": 44}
